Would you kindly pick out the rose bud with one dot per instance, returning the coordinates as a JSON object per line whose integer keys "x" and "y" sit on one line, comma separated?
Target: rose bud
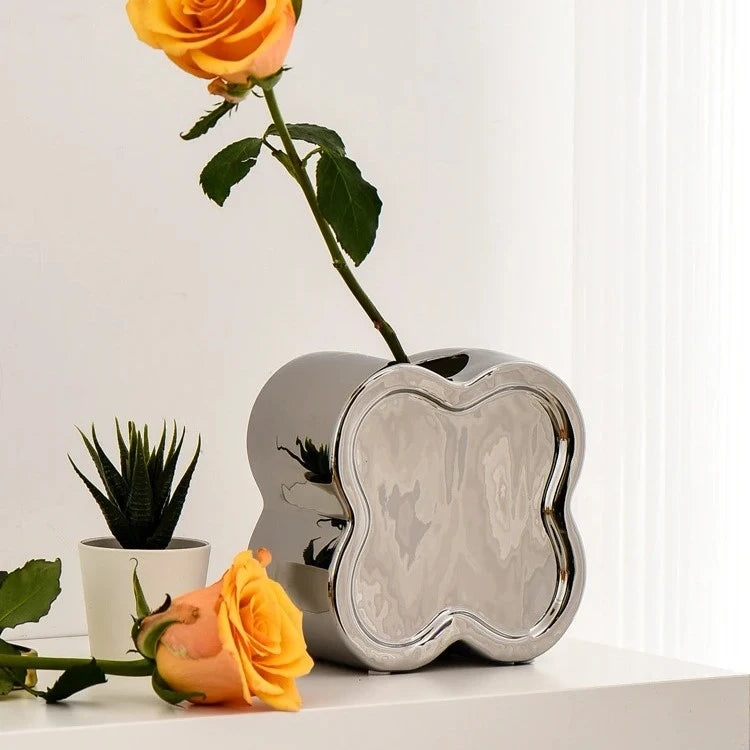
{"x": 239, "y": 638}
{"x": 229, "y": 39}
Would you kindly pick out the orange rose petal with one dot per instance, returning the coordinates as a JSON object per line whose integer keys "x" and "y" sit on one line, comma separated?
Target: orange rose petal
{"x": 136, "y": 10}
{"x": 185, "y": 62}
{"x": 261, "y": 23}
{"x": 180, "y": 20}
{"x": 216, "y": 12}
{"x": 218, "y": 677}
{"x": 287, "y": 700}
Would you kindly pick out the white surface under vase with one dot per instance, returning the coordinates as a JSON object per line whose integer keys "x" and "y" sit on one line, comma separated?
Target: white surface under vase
{"x": 107, "y": 572}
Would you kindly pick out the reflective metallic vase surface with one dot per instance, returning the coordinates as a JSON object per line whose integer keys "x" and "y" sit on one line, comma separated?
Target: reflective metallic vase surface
{"x": 441, "y": 515}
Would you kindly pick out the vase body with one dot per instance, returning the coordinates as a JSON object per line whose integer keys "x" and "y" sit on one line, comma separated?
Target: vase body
{"x": 445, "y": 521}
{"x": 107, "y": 573}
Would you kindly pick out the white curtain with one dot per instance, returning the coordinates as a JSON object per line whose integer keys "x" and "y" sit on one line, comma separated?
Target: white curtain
{"x": 661, "y": 310}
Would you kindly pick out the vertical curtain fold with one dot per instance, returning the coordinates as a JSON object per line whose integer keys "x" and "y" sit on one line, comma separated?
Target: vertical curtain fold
{"x": 660, "y": 315}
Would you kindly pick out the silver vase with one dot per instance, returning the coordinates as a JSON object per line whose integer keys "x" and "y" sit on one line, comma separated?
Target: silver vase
{"x": 438, "y": 517}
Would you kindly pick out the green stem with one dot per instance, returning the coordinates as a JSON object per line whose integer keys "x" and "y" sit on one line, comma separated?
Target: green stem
{"x": 134, "y": 668}
{"x": 339, "y": 262}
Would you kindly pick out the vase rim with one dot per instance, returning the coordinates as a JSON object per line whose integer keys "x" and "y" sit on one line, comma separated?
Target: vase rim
{"x": 176, "y": 544}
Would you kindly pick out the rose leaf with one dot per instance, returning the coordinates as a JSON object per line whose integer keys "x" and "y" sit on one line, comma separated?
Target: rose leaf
{"x": 329, "y": 140}
{"x": 208, "y": 120}
{"x": 349, "y": 203}
{"x": 228, "y": 167}
{"x": 27, "y": 593}
{"x": 73, "y": 680}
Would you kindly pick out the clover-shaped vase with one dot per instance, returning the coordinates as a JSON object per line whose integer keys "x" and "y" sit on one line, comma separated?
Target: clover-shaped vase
{"x": 413, "y": 508}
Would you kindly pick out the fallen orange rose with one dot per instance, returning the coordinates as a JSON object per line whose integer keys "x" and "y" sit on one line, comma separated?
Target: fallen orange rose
{"x": 233, "y": 40}
{"x": 239, "y": 638}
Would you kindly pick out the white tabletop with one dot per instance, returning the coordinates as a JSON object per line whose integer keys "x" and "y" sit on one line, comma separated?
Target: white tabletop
{"x": 577, "y": 693}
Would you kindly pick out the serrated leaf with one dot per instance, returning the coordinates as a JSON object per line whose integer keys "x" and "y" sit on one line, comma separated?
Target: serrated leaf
{"x": 28, "y": 592}
{"x": 7, "y": 683}
{"x": 114, "y": 517}
{"x": 208, "y": 120}
{"x": 10, "y": 677}
{"x": 228, "y": 167}
{"x": 327, "y": 139}
{"x": 165, "y": 529}
{"x": 173, "y": 697}
{"x": 140, "y": 501}
{"x": 141, "y": 605}
{"x": 348, "y": 203}
{"x": 73, "y": 680}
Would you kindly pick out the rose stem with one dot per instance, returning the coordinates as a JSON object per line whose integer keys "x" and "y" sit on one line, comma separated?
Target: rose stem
{"x": 134, "y": 668}
{"x": 339, "y": 262}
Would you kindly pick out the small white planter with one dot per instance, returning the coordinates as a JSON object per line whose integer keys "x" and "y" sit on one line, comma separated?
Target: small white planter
{"x": 107, "y": 571}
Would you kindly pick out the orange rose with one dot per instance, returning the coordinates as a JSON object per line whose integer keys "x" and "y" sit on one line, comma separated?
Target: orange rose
{"x": 235, "y": 40}
{"x": 241, "y": 637}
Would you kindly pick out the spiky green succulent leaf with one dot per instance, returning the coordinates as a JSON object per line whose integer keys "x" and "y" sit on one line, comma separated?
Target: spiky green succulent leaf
{"x": 116, "y": 520}
{"x": 173, "y": 509}
{"x": 164, "y": 483}
{"x": 137, "y": 502}
{"x": 140, "y": 508}
{"x": 113, "y": 482}
{"x": 156, "y": 461}
{"x": 123, "y": 451}
{"x": 146, "y": 450}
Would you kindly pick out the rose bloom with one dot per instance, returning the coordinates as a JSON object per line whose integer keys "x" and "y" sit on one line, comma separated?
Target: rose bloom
{"x": 235, "y": 40}
{"x": 241, "y": 637}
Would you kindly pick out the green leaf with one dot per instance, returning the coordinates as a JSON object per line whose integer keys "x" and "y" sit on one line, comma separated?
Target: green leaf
{"x": 132, "y": 445}
{"x": 140, "y": 502}
{"x": 118, "y": 524}
{"x": 326, "y": 138}
{"x": 165, "y": 529}
{"x": 147, "y": 642}
{"x": 97, "y": 463}
{"x": 349, "y": 204}
{"x": 73, "y": 680}
{"x": 141, "y": 605}
{"x": 156, "y": 461}
{"x": 297, "y": 5}
{"x": 3, "y": 576}
{"x": 164, "y": 484}
{"x": 167, "y": 694}
{"x": 28, "y": 592}
{"x": 208, "y": 120}
{"x": 7, "y": 682}
{"x": 114, "y": 483}
{"x": 10, "y": 677}
{"x": 228, "y": 167}
{"x": 123, "y": 452}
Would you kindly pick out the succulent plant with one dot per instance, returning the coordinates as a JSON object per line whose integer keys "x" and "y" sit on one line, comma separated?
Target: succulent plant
{"x": 138, "y": 503}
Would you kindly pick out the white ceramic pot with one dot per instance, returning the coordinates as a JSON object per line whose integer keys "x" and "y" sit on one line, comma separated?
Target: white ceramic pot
{"x": 107, "y": 572}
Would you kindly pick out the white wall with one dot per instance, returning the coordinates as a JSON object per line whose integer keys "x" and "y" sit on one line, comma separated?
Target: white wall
{"x": 124, "y": 291}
